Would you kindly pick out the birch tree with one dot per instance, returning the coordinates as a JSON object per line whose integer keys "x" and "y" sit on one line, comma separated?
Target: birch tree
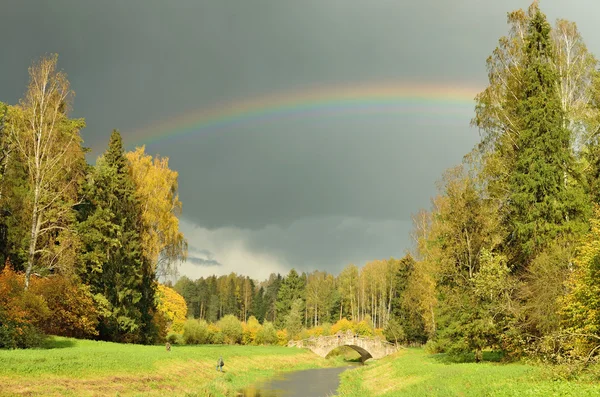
{"x": 50, "y": 146}
{"x": 156, "y": 187}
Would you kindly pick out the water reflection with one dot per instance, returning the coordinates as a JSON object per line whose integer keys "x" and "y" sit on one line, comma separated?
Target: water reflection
{"x": 309, "y": 383}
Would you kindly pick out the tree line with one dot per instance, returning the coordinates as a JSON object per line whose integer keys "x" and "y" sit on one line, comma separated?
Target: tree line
{"x": 374, "y": 294}
{"x": 101, "y": 233}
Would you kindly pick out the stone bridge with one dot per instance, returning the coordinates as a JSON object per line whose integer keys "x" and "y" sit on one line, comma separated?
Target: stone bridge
{"x": 367, "y": 347}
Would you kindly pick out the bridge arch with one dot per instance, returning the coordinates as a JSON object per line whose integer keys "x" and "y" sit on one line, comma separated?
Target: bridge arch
{"x": 367, "y": 347}
{"x": 364, "y": 354}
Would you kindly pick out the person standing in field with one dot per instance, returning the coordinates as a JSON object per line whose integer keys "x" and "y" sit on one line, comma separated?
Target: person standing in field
{"x": 220, "y": 364}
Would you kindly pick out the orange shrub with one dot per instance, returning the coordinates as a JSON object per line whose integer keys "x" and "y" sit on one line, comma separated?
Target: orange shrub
{"x": 20, "y": 311}
{"x": 72, "y": 309}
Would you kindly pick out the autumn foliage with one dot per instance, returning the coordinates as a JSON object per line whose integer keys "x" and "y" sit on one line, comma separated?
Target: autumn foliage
{"x": 53, "y": 305}
{"x": 20, "y": 311}
{"x": 71, "y": 304}
{"x": 173, "y": 307}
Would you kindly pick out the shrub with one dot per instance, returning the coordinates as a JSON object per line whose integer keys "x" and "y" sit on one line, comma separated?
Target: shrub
{"x": 364, "y": 328}
{"x": 72, "y": 308}
{"x": 250, "y": 329}
{"x": 267, "y": 335}
{"x": 282, "y": 337}
{"x": 195, "y": 332}
{"x": 316, "y": 331}
{"x": 304, "y": 334}
{"x": 175, "y": 339}
{"x": 231, "y": 328}
{"x": 342, "y": 325}
{"x": 21, "y": 312}
{"x": 394, "y": 332}
{"x": 215, "y": 335}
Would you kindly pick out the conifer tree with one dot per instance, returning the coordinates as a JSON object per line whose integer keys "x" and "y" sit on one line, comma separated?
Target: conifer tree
{"x": 292, "y": 288}
{"x": 113, "y": 263}
{"x": 544, "y": 203}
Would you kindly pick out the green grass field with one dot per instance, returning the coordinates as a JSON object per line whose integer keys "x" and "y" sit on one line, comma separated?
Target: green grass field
{"x": 70, "y": 367}
{"x": 413, "y": 372}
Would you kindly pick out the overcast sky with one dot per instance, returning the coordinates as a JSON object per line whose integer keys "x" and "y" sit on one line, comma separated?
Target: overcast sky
{"x": 262, "y": 196}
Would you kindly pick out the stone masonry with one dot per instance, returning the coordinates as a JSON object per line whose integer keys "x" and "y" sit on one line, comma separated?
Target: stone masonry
{"x": 365, "y": 346}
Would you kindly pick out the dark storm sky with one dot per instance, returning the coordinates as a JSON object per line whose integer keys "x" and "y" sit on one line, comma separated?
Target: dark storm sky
{"x": 263, "y": 196}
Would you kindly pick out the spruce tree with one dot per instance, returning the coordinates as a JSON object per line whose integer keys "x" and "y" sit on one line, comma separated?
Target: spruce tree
{"x": 544, "y": 203}
{"x": 292, "y": 288}
{"x": 113, "y": 264}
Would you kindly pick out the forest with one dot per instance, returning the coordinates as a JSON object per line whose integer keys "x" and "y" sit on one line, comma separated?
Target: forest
{"x": 506, "y": 257}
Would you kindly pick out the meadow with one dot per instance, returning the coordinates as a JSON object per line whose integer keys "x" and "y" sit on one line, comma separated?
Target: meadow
{"x": 412, "y": 372}
{"x": 72, "y": 367}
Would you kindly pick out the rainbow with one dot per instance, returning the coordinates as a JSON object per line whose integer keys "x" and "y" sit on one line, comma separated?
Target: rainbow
{"x": 435, "y": 101}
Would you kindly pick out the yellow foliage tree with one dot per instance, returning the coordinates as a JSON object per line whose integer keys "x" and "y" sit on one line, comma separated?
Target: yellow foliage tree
{"x": 156, "y": 186}
{"x": 342, "y": 325}
{"x": 173, "y": 307}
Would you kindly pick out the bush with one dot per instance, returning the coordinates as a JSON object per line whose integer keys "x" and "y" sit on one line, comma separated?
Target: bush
{"x": 175, "y": 339}
{"x": 316, "y": 331}
{"x": 215, "y": 335}
{"x": 21, "y": 312}
{"x": 364, "y": 328}
{"x": 282, "y": 337}
{"x": 72, "y": 308}
{"x": 394, "y": 332}
{"x": 267, "y": 335}
{"x": 231, "y": 328}
{"x": 250, "y": 329}
{"x": 304, "y": 334}
{"x": 195, "y": 332}
{"x": 342, "y": 325}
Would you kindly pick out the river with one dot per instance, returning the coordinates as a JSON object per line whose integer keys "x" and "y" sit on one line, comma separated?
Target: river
{"x": 318, "y": 382}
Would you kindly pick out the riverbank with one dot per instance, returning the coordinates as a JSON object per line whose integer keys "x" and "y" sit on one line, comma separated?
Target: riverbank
{"x": 413, "y": 372}
{"x": 71, "y": 367}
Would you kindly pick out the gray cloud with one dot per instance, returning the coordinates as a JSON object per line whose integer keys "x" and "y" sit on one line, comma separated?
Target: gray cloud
{"x": 201, "y": 257}
{"x": 265, "y": 195}
{"x": 202, "y": 262}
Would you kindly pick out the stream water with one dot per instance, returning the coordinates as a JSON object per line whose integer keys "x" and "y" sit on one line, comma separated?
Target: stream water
{"x": 318, "y": 382}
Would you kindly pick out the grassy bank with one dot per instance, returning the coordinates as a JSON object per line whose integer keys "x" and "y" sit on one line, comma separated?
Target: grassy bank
{"x": 70, "y": 367}
{"x": 412, "y": 372}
